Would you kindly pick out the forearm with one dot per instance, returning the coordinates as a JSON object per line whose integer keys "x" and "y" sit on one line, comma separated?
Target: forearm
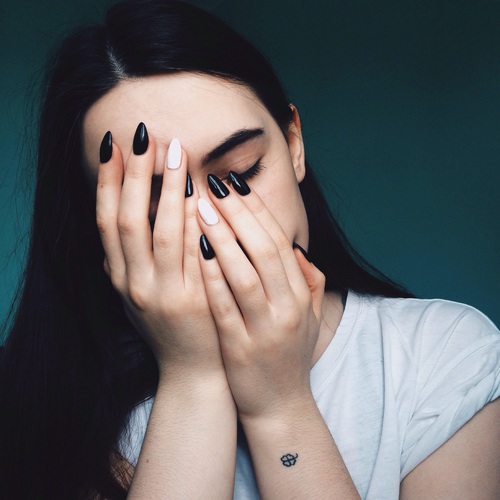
{"x": 295, "y": 456}
{"x": 190, "y": 444}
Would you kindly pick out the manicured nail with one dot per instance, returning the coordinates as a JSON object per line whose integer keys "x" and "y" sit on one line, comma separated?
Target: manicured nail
{"x": 217, "y": 186}
{"x": 174, "y": 154}
{"x": 207, "y": 212}
{"x": 239, "y": 184}
{"x": 206, "y": 249}
{"x": 106, "y": 149}
{"x": 304, "y": 253}
{"x": 141, "y": 140}
{"x": 189, "y": 187}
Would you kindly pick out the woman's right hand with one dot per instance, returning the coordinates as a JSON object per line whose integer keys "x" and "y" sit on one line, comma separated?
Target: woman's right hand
{"x": 157, "y": 272}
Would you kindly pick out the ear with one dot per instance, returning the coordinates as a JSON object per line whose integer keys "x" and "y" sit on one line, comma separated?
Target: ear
{"x": 296, "y": 145}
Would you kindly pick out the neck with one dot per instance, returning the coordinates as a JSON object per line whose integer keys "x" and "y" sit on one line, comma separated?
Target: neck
{"x": 332, "y": 310}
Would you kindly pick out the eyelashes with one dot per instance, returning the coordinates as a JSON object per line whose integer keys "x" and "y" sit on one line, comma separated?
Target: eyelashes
{"x": 249, "y": 173}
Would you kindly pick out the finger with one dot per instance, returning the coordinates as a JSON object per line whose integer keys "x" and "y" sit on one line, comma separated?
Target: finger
{"x": 256, "y": 241}
{"x": 192, "y": 233}
{"x": 225, "y": 311}
{"x": 133, "y": 221}
{"x": 239, "y": 272}
{"x": 259, "y": 209}
{"x": 109, "y": 186}
{"x": 168, "y": 233}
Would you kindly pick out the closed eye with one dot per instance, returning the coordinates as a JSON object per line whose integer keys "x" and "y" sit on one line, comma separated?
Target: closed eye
{"x": 249, "y": 173}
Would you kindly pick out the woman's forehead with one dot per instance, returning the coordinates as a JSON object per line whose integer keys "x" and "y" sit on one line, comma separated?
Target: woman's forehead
{"x": 199, "y": 110}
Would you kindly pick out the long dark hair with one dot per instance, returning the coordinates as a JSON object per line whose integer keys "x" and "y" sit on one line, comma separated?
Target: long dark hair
{"x": 73, "y": 366}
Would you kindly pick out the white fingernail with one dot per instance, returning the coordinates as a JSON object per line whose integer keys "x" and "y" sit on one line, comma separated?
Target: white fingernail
{"x": 207, "y": 212}
{"x": 174, "y": 154}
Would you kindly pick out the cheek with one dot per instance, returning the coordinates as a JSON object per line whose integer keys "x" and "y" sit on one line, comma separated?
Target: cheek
{"x": 288, "y": 209}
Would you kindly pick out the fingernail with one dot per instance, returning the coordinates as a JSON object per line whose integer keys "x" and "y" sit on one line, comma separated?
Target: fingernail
{"x": 189, "y": 187}
{"x": 106, "y": 149}
{"x": 174, "y": 154}
{"x": 304, "y": 253}
{"x": 217, "y": 186}
{"x": 207, "y": 212}
{"x": 239, "y": 184}
{"x": 141, "y": 140}
{"x": 206, "y": 249}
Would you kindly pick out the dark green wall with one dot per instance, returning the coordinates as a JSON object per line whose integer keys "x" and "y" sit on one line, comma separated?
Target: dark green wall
{"x": 400, "y": 103}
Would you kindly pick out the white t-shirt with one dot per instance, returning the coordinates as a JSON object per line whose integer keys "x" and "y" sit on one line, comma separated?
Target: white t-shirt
{"x": 399, "y": 378}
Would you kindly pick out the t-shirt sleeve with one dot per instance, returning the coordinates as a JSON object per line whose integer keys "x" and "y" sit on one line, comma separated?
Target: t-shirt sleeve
{"x": 459, "y": 360}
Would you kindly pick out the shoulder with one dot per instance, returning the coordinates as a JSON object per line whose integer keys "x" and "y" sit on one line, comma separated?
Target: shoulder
{"x": 422, "y": 342}
{"x": 443, "y": 358}
{"x": 425, "y": 325}
{"x": 437, "y": 344}
{"x": 430, "y": 311}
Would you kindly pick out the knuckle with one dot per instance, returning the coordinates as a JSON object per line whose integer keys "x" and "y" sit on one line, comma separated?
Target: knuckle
{"x": 104, "y": 223}
{"x": 301, "y": 296}
{"x": 170, "y": 191}
{"x": 137, "y": 296}
{"x": 307, "y": 302}
{"x": 136, "y": 171}
{"x": 191, "y": 251}
{"x": 258, "y": 206}
{"x": 117, "y": 281}
{"x": 225, "y": 239}
{"x": 211, "y": 278}
{"x": 268, "y": 251}
{"x": 161, "y": 238}
{"x": 236, "y": 210}
{"x": 127, "y": 223}
{"x": 291, "y": 319}
{"x": 281, "y": 242}
{"x": 235, "y": 355}
{"x": 223, "y": 311}
{"x": 248, "y": 284}
{"x": 235, "y": 350}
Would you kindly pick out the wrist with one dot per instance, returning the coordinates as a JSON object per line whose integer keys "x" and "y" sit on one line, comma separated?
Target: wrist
{"x": 190, "y": 384}
{"x": 291, "y": 413}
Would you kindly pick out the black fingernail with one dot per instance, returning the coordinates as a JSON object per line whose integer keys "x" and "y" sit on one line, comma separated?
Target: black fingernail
{"x": 189, "y": 187}
{"x": 304, "y": 253}
{"x": 106, "y": 149}
{"x": 239, "y": 184}
{"x": 217, "y": 186}
{"x": 206, "y": 249}
{"x": 141, "y": 140}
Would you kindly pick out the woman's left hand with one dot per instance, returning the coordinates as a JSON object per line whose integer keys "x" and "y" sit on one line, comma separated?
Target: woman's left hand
{"x": 266, "y": 300}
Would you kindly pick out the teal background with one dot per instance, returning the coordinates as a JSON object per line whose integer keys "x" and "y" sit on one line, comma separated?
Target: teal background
{"x": 400, "y": 104}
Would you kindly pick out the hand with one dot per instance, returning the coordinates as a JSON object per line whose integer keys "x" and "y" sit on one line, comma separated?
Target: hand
{"x": 267, "y": 307}
{"x": 157, "y": 272}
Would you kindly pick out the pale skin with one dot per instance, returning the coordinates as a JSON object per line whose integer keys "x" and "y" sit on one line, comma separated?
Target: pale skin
{"x": 233, "y": 337}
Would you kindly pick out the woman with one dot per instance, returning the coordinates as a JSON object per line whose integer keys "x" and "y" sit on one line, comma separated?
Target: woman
{"x": 185, "y": 345}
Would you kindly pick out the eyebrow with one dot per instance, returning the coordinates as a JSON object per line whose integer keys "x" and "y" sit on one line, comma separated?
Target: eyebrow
{"x": 237, "y": 139}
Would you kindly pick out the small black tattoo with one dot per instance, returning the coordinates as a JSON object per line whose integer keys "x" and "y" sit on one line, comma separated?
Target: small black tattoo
{"x": 288, "y": 460}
